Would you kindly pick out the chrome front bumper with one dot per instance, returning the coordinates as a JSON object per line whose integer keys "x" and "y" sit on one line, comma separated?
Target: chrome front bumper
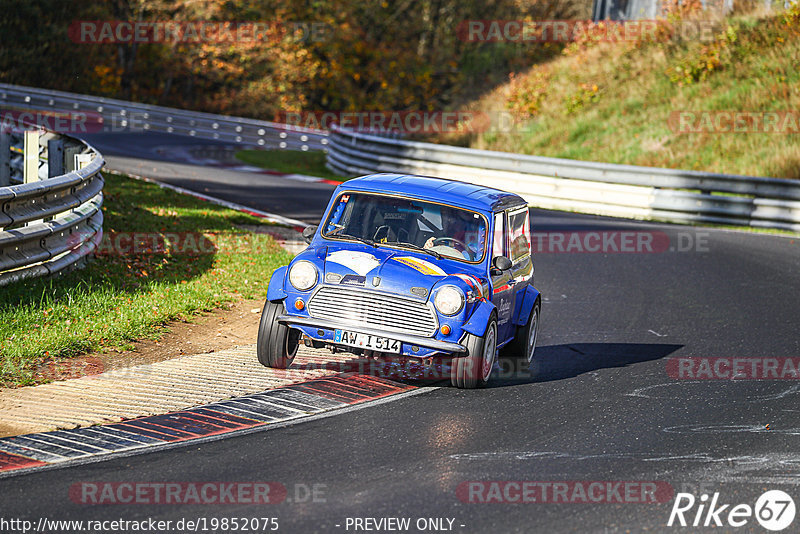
{"x": 444, "y": 346}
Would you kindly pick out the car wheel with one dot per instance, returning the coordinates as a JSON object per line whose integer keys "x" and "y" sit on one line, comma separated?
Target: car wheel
{"x": 277, "y": 343}
{"x": 520, "y": 351}
{"x": 474, "y": 369}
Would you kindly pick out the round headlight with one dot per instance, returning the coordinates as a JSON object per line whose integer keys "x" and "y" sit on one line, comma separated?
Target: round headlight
{"x": 303, "y": 275}
{"x": 449, "y": 300}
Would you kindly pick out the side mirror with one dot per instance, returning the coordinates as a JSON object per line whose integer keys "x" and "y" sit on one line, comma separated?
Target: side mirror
{"x": 499, "y": 265}
{"x": 308, "y": 233}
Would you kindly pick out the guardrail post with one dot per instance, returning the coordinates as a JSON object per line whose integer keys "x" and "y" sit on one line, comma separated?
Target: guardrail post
{"x": 5, "y": 158}
{"x": 81, "y": 161}
{"x": 70, "y": 151}
{"x": 55, "y": 157}
{"x": 30, "y": 157}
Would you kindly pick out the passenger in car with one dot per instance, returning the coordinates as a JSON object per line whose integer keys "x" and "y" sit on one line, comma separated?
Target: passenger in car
{"x": 455, "y": 236}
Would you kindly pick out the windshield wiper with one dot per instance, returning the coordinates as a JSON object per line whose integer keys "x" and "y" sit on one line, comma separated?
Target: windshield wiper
{"x": 416, "y": 247}
{"x": 369, "y": 242}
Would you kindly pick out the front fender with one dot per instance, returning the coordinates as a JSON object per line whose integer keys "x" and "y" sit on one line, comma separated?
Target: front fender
{"x": 275, "y": 289}
{"x": 525, "y": 307}
{"x": 479, "y": 319}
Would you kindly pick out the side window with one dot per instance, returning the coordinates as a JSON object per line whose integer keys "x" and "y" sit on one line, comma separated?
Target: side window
{"x": 519, "y": 234}
{"x": 499, "y": 240}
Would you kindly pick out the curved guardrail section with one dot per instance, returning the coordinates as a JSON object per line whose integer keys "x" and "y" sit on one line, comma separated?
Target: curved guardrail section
{"x": 598, "y": 188}
{"x": 122, "y": 116}
{"x": 53, "y": 221}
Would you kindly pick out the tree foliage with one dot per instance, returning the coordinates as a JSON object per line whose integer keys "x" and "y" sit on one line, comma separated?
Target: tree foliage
{"x": 383, "y": 55}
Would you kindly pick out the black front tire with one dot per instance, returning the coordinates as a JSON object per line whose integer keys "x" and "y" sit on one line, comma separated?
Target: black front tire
{"x": 474, "y": 369}
{"x": 277, "y": 343}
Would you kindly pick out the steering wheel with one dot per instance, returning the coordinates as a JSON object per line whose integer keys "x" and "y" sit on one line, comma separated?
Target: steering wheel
{"x": 464, "y": 247}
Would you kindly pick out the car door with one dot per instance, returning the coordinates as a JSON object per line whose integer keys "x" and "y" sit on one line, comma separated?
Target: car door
{"x": 503, "y": 291}
{"x": 519, "y": 242}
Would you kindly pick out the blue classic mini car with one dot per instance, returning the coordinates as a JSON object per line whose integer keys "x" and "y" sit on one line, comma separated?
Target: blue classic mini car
{"x": 410, "y": 266}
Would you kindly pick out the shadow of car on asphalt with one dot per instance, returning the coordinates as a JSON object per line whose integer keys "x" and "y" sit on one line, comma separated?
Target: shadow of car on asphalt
{"x": 558, "y": 362}
{"x": 552, "y": 362}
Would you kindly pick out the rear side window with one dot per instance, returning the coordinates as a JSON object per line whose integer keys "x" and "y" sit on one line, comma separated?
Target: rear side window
{"x": 519, "y": 234}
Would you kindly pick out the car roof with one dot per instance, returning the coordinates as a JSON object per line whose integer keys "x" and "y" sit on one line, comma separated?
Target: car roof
{"x": 452, "y": 192}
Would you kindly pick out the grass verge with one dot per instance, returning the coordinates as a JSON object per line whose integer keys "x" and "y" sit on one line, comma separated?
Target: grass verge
{"x": 311, "y": 162}
{"x": 127, "y": 292}
{"x": 620, "y": 102}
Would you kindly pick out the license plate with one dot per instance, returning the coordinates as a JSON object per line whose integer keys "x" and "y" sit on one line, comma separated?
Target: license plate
{"x": 366, "y": 341}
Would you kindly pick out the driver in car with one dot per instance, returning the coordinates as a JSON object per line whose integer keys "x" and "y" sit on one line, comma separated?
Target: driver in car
{"x": 453, "y": 237}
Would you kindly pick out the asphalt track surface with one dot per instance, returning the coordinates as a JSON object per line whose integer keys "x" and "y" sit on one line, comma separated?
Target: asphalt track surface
{"x": 599, "y": 406}
{"x": 154, "y": 155}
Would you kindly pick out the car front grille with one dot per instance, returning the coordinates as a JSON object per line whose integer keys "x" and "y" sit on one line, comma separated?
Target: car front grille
{"x": 371, "y": 309}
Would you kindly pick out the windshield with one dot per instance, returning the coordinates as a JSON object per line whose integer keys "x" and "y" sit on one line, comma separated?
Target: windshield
{"x": 441, "y": 230}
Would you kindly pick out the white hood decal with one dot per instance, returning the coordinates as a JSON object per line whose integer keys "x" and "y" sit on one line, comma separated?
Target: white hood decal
{"x": 359, "y": 262}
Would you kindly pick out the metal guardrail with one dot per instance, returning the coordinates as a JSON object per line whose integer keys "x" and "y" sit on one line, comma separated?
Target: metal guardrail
{"x": 551, "y": 183}
{"x": 599, "y": 188}
{"x": 122, "y": 116}
{"x": 51, "y": 220}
